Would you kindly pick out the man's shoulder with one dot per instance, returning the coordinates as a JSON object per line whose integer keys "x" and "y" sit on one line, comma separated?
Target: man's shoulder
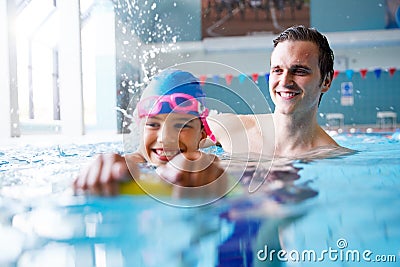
{"x": 242, "y": 133}
{"x": 231, "y": 121}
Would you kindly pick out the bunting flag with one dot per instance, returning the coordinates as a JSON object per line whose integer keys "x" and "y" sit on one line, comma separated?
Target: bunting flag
{"x": 215, "y": 79}
{"x": 203, "y": 79}
{"x": 363, "y": 73}
{"x": 267, "y": 77}
{"x": 378, "y": 72}
{"x": 349, "y": 74}
{"x": 335, "y": 74}
{"x": 242, "y": 77}
{"x": 392, "y": 71}
{"x": 254, "y": 77}
{"x": 228, "y": 79}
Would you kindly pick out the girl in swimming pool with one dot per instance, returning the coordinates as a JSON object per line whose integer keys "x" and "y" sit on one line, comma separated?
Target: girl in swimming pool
{"x": 172, "y": 119}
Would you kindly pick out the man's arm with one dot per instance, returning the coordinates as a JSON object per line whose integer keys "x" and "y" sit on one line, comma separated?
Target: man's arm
{"x": 253, "y": 133}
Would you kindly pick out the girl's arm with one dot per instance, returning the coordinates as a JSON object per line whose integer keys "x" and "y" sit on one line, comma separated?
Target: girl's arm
{"x": 103, "y": 175}
{"x": 195, "y": 174}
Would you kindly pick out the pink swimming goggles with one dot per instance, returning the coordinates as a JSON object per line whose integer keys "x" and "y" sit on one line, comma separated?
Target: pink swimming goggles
{"x": 175, "y": 103}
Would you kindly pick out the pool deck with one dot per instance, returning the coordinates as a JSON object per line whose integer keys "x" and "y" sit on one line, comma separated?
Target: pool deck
{"x": 365, "y": 128}
{"x": 52, "y": 139}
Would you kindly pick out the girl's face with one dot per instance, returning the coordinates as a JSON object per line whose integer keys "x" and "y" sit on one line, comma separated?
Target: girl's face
{"x": 166, "y": 135}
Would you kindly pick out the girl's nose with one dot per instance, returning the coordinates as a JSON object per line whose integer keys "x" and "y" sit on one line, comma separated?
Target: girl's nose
{"x": 168, "y": 134}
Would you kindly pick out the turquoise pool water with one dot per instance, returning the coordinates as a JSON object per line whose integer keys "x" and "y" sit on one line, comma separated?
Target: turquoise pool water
{"x": 333, "y": 212}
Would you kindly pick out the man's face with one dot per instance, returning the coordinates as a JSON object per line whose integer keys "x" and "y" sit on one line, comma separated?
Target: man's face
{"x": 166, "y": 135}
{"x": 295, "y": 78}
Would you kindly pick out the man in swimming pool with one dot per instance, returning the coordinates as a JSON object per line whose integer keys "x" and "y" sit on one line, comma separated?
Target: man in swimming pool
{"x": 301, "y": 71}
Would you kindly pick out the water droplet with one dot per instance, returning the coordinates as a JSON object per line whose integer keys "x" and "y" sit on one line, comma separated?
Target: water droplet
{"x": 174, "y": 4}
{"x": 153, "y": 6}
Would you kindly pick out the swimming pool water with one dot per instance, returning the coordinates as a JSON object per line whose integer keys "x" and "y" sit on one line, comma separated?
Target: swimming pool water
{"x": 344, "y": 210}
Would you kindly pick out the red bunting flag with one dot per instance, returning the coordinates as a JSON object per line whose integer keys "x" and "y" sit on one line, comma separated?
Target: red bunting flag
{"x": 392, "y": 71}
{"x": 254, "y": 77}
{"x": 363, "y": 73}
{"x": 335, "y": 74}
{"x": 228, "y": 79}
{"x": 203, "y": 79}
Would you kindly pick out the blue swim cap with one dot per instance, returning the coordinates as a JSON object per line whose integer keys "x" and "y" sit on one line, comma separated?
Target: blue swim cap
{"x": 171, "y": 81}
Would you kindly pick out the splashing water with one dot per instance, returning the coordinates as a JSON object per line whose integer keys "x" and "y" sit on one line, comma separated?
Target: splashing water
{"x": 144, "y": 36}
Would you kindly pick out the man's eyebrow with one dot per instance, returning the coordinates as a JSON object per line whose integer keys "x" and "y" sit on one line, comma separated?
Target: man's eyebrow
{"x": 300, "y": 66}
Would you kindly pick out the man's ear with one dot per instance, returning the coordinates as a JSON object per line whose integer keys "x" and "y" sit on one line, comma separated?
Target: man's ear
{"x": 326, "y": 84}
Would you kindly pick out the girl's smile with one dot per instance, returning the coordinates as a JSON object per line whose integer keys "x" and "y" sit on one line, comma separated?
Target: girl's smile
{"x": 167, "y": 135}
